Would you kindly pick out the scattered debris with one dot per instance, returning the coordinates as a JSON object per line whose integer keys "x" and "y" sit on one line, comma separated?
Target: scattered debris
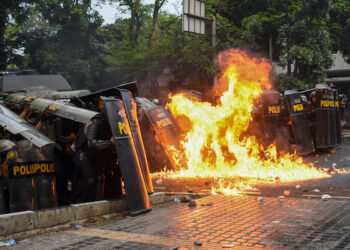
{"x": 91, "y": 220}
{"x": 326, "y": 197}
{"x": 260, "y": 198}
{"x": 192, "y": 204}
{"x": 159, "y": 181}
{"x": 207, "y": 204}
{"x": 185, "y": 199}
{"x": 228, "y": 246}
{"x": 11, "y": 243}
{"x": 297, "y": 186}
{"x": 198, "y": 243}
{"x": 316, "y": 190}
{"x": 176, "y": 200}
{"x": 286, "y": 192}
{"x": 76, "y": 226}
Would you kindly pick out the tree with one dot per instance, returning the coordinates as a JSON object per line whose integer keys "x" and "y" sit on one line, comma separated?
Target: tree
{"x": 68, "y": 28}
{"x": 157, "y": 6}
{"x": 339, "y": 27}
{"x": 11, "y": 11}
{"x": 305, "y": 41}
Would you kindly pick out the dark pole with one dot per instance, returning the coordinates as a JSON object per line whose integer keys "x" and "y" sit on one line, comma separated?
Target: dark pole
{"x": 213, "y": 44}
{"x": 289, "y": 70}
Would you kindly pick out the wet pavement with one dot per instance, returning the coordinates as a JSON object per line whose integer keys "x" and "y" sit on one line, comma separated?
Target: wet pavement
{"x": 216, "y": 222}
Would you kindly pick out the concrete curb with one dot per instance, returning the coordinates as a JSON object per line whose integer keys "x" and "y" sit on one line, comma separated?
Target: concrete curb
{"x": 14, "y": 223}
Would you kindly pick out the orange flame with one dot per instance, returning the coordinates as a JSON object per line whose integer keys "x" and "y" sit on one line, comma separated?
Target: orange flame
{"x": 213, "y": 146}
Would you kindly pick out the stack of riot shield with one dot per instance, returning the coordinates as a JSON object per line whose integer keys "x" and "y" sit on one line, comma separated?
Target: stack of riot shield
{"x": 324, "y": 116}
{"x": 122, "y": 117}
{"x": 301, "y": 133}
{"x": 29, "y": 174}
{"x": 121, "y": 112}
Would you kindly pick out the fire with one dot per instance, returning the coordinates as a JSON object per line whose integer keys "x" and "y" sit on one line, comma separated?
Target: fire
{"x": 215, "y": 146}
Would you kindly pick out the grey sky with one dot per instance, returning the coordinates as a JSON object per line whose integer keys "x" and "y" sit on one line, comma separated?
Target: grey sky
{"x": 109, "y": 12}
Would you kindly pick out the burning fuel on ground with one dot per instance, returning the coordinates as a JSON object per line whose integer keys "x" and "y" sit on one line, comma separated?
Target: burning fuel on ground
{"x": 215, "y": 144}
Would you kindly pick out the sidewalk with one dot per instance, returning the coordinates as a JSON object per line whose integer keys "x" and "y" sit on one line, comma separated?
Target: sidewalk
{"x": 216, "y": 222}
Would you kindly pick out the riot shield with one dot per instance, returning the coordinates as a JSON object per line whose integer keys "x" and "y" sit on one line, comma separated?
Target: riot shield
{"x": 128, "y": 160}
{"x": 332, "y": 118}
{"x": 131, "y": 112}
{"x": 2, "y": 193}
{"x": 21, "y": 184}
{"x": 300, "y": 126}
{"x": 17, "y": 125}
{"x": 44, "y": 178}
{"x": 62, "y": 110}
{"x": 271, "y": 103}
{"x": 159, "y": 129}
{"x": 322, "y": 117}
{"x": 337, "y": 117}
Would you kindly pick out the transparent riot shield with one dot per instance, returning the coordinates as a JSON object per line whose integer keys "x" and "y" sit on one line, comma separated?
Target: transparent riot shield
{"x": 337, "y": 117}
{"x": 44, "y": 178}
{"x": 322, "y": 118}
{"x": 134, "y": 183}
{"x": 272, "y": 113}
{"x": 131, "y": 112}
{"x": 332, "y": 119}
{"x": 299, "y": 123}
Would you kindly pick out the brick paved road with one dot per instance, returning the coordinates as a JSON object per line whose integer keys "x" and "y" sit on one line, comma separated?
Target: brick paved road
{"x": 242, "y": 222}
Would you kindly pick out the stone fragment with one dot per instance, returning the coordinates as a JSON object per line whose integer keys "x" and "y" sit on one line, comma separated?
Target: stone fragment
{"x": 192, "y": 204}
{"x": 198, "y": 243}
{"x": 185, "y": 199}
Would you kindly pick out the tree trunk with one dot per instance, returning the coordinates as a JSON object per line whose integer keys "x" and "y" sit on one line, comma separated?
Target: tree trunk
{"x": 3, "y": 21}
{"x": 157, "y": 6}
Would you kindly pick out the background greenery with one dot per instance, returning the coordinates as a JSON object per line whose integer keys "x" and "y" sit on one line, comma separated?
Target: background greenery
{"x": 68, "y": 37}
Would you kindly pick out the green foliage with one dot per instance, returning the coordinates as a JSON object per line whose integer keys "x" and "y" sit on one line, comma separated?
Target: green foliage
{"x": 305, "y": 41}
{"x": 339, "y": 27}
{"x": 286, "y": 82}
{"x": 59, "y": 37}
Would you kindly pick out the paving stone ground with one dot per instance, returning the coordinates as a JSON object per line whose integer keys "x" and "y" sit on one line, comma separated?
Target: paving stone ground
{"x": 217, "y": 221}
